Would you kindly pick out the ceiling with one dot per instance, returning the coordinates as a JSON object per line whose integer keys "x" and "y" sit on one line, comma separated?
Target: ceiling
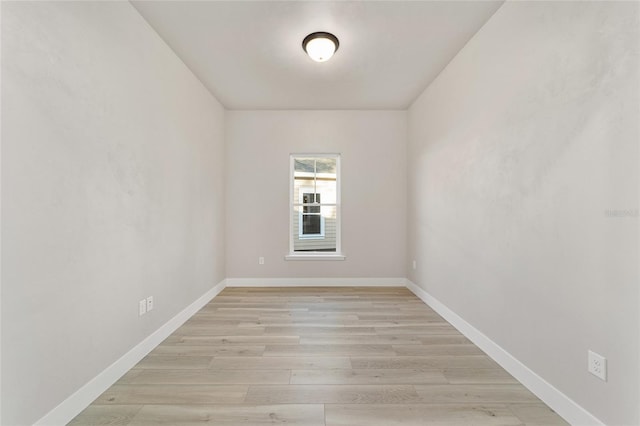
{"x": 249, "y": 53}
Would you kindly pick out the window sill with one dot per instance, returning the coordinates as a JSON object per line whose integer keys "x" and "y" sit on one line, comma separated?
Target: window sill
{"x": 315, "y": 256}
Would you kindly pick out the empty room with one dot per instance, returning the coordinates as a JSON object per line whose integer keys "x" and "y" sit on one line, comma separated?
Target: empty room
{"x": 320, "y": 213}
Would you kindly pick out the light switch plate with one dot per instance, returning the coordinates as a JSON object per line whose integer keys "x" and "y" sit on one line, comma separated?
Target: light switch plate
{"x": 142, "y": 307}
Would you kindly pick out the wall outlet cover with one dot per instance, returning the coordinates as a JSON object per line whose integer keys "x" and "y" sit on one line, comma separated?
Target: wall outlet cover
{"x": 597, "y": 365}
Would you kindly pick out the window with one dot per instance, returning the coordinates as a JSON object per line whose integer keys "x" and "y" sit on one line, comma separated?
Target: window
{"x": 311, "y": 222}
{"x": 315, "y": 207}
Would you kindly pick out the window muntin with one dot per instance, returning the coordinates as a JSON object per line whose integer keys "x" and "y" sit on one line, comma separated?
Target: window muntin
{"x": 315, "y": 204}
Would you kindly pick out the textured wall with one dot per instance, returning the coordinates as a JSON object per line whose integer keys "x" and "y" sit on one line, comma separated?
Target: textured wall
{"x": 523, "y": 159}
{"x": 372, "y": 145}
{"x": 112, "y": 191}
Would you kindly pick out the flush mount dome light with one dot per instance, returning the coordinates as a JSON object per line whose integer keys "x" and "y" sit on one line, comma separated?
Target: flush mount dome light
{"x": 320, "y": 46}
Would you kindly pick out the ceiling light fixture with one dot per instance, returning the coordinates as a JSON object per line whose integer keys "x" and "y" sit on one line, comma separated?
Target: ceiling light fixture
{"x": 320, "y": 46}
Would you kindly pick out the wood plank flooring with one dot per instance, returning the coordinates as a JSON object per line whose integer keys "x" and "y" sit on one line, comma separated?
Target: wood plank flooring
{"x": 317, "y": 356}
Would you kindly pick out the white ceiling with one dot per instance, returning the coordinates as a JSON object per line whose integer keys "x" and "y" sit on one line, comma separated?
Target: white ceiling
{"x": 249, "y": 53}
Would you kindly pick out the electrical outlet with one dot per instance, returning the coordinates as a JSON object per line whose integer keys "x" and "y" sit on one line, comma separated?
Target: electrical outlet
{"x": 261, "y": 260}
{"x": 149, "y": 303}
{"x": 414, "y": 264}
{"x": 142, "y": 307}
{"x": 597, "y": 365}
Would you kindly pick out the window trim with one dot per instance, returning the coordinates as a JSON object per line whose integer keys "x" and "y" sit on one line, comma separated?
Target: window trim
{"x": 315, "y": 255}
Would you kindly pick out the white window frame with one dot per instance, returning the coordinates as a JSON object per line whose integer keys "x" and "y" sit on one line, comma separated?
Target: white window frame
{"x": 320, "y": 236}
{"x": 311, "y": 255}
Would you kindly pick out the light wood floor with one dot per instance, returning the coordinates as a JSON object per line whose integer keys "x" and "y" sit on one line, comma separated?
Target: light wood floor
{"x": 317, "y": 356}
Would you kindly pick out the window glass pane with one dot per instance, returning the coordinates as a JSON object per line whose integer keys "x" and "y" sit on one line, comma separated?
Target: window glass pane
{"x": 310, "y": 209}
{"x": 302, "y": 191}
{"x": 307, "y": 198}
{"x": 328, "y": 212}
{"x": 314, "y": 211}
{"x": 311, "y": 224}
{"x": 304, "y": 165}
{"x": 326, "y": 165}
{"x": 314, "y": 231}
{"x": 326, "y": 189}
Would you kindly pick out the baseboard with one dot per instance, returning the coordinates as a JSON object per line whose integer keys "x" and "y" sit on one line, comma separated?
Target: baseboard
{"x": 73, "y": 405}
{"x": 559, "y": 402}
{"x": 316, "y": 282}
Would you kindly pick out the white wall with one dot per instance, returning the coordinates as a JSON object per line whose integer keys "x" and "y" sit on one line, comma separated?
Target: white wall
{"x": 112, "y": 191}
{"x": 373, "y": 161}
{"x": 517, "y": 152}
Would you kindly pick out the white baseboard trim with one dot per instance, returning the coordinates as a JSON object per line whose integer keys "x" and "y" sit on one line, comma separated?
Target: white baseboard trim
{"x": 78, "y": 401}
{"x": 559, "y": 402}
{"x": 316, "y": 282}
